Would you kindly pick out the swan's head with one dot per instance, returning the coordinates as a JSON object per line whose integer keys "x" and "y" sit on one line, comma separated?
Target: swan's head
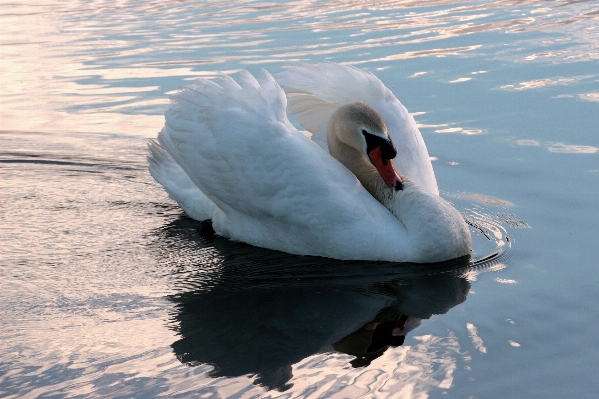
{"x": 358, "y": 126}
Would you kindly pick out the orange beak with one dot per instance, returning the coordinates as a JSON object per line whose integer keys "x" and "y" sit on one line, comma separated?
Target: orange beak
{"x": 386, "y": 169}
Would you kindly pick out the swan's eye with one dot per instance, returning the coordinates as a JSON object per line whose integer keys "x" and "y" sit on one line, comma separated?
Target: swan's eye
{"x": 364, "y": 132}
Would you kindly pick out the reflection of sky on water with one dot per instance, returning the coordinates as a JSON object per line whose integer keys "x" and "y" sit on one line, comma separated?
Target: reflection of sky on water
{"x": 92, "y": 58}
{"x": 501, "y": 90}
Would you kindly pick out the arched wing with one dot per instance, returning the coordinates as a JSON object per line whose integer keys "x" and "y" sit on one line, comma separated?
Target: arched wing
{"x": 315, "y": 91}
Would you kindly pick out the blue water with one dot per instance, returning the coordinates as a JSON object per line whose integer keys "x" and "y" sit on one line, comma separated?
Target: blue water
{"x": 108, "y": 290}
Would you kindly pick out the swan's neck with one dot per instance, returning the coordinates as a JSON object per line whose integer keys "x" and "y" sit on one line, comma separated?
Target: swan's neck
{"x": 436, "y": 230}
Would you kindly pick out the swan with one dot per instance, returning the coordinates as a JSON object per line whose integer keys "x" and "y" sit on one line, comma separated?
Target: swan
{"x": 228, "y": 153}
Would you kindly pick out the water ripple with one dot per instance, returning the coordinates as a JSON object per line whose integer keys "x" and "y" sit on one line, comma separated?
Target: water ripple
{"x": 109, "y": 291}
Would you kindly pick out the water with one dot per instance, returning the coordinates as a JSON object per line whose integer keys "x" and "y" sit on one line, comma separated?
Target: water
{"x": 107, "y": 290}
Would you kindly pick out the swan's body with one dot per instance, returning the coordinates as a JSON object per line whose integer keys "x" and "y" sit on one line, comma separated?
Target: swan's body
{"x": 228, "y": 153}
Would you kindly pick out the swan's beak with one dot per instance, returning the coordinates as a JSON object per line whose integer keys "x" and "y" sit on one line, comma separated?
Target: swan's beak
{"x": 385, "y": 168}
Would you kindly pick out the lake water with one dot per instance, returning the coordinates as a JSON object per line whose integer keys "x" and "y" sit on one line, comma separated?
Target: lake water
{"x": 107, "y": 289}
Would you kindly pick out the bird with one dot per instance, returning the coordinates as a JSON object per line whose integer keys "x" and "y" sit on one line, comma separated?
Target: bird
{"x": 358, "y": 184}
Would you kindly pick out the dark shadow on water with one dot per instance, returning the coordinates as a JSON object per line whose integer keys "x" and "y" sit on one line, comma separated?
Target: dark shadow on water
{"x": 252, "y": 311}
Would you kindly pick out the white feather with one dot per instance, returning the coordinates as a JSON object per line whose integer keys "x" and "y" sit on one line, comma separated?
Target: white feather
{"x": 228, "y": 153}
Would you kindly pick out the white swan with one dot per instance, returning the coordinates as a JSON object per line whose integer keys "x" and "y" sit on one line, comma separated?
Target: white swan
{"x": 228, "y": 153}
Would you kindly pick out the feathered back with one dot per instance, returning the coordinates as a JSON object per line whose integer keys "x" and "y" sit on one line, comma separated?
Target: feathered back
{"x": 271, "y": 185}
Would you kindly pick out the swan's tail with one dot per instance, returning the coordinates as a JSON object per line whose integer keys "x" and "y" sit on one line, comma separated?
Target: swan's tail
{"x": 177, "y": 184}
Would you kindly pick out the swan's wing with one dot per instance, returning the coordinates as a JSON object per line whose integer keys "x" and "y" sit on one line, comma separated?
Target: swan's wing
{"x": 178, "y": 185}
{"x": 275, "y": 187}
{"x": 314, "y": 92}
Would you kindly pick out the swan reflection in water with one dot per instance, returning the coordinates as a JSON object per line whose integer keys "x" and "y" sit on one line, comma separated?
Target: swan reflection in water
{"x": 252, "y": 311}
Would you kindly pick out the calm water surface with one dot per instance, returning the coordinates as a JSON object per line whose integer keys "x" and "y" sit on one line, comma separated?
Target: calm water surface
{"x": 108, "y": 290}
